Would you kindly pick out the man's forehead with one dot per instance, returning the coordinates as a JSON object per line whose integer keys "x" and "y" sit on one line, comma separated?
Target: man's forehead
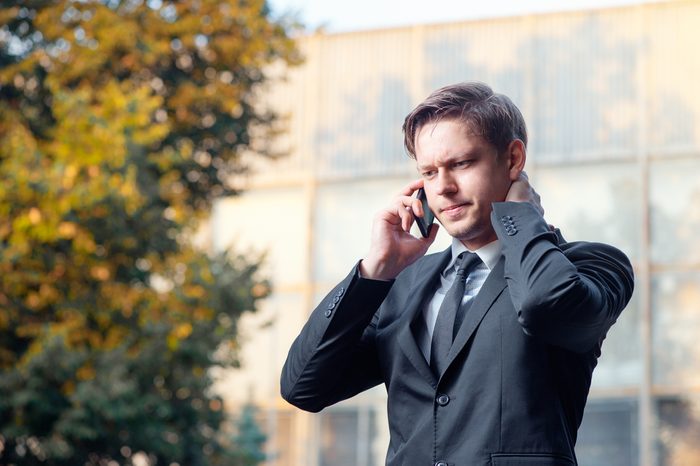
{"x": 470, "y": 128}
{"x": 471, "y": 138}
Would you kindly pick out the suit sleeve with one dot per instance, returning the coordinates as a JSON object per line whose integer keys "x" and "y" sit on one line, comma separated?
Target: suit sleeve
{"x": 334, "y": 356}
{"x": 565, "y": 294}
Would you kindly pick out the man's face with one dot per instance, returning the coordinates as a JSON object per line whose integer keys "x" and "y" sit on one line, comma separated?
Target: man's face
{"x": 463, "y": 174}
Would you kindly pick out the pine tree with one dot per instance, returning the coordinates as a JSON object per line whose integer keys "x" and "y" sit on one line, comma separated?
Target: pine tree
{"x": 249, "y": 438}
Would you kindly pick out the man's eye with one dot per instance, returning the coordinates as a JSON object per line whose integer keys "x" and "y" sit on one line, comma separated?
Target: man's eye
{"x": 462, "y": 163}
{"x": 428, "y": 173}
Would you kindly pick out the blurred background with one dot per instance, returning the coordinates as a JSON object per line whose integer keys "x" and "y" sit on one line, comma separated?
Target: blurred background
{"x": 182, "y": 182}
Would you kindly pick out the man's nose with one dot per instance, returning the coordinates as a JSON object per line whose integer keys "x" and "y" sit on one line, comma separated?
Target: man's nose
{"x": 446, "y": 183}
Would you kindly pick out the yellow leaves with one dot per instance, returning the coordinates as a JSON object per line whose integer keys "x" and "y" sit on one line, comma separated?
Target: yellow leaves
{"x": 86, "y": 372}
{"x": 83, "y": 242}
{"x": 89, "y": 157}
{"x": 182, "y": 331}
{"x": 69, "y": 175}
{"x": 194, "y": 291}
{"x": 100, "y": 273}
{"x": 99, "y": 39}
{"x": 179, "y": 333}
{"x": 125, "y": 298}
{"x": 4, "y": 320}
{"x": 81, "y": 230}
{"x": 29, "y": 330}
{"x": 68, "y": 388}
{"x": 34, "y": 216}
{"x": 67, "y": 230}
{"x": 8, "y": 13}
{"x": 48, "y": 292}
{"x": 46, "y": 295}
{"x": 260, "y": 290}
{"x": 203, "y": 313}
{"x": 101, "y": 126}
{"x": 5, "y": 230}
{"x": 14, "y": 135}
{"x": 30, "y": 225}
{"x": 32, "y": 301}
{"x": 115, "y": 336}
{"x": 91, "y": 146}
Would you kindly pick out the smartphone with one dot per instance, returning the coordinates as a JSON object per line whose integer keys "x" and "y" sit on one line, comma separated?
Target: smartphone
{"x": 428, "y": 217}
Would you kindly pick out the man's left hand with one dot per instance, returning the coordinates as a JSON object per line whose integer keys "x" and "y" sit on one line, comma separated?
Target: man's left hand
{"x": 522, "y": 191}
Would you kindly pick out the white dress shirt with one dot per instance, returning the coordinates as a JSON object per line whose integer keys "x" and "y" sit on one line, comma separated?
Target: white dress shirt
{"x": 489, "y": 255}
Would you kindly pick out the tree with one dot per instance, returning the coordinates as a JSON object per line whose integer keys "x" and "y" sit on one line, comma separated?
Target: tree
{"x": 120, "y": 122}
{"x": 248, "y": 439}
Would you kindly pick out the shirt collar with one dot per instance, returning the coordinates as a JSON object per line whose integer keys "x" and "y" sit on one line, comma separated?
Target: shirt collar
{"x": 489, "y": 253}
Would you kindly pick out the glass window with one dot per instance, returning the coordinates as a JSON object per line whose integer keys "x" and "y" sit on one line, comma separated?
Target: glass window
{"x": 584, "y": 75}
{"x": 487, "y": 51}
{"x": 676, "y": 324}
{"x": 593, "y": 203}
{"x": 608, "y": 434}
{"x": 675, "y": 211}
{"x": 621, "y": 362}
{"x": 673, "y": 95}
{"x": 679, "y": 430}
{"x": 346, "y": 437}
{"x": 362, "y": 96}
{"x": 343, "y": 223}
{"x": 264, "y": 339}
{"x": 280, "y": 445}
{"x": 271, "y": 221}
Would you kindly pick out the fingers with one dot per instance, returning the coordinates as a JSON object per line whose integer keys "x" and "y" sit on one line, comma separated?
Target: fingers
{"x": 406, "y": 205}
{"x": 412, "y": 187}
{"x": 522, "y": 191}
{"x": 405, "y": 208}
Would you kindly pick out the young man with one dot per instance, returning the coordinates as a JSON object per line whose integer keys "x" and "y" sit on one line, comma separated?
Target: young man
{"x": 496, "y": 369}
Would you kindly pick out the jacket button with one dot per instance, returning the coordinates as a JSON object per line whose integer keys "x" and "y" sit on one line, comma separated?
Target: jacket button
{"x": 442, "y": 400}
{"x": 441, "y": 463}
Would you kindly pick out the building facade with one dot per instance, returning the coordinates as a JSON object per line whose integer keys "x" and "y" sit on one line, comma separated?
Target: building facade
{"x": 612, "y": 102}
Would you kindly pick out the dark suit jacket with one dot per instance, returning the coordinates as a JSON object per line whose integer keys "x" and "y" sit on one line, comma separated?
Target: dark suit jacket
{"x": 520, "y": 366}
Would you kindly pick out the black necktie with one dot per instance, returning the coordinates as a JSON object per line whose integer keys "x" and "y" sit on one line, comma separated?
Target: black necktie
{"x": 449, "y": 317}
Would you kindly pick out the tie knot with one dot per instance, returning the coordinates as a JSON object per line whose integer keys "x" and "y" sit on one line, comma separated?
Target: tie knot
{"x": 466, "y": 261}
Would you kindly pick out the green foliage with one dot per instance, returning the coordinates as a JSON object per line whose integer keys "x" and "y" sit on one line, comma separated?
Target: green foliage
{"x": 247, "y": 441}
{"x": 120, "y": 122}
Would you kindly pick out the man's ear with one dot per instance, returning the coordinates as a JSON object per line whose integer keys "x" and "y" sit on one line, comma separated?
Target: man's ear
{"x": 516, "y": 156}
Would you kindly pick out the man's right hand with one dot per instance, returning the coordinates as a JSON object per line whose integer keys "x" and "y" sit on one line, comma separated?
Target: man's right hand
{"x": 393, "y": 247}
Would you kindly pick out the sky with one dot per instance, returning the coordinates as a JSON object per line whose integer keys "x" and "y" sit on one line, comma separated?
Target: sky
{"x": 353, "y": 15}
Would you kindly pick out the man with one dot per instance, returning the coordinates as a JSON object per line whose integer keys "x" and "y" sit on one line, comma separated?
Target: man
{"x": 503, "y": 379}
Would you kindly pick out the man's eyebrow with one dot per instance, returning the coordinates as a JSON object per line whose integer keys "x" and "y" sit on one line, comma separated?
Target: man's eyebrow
{"x": 466, "y": 154}
{"x": 463, "y": 155}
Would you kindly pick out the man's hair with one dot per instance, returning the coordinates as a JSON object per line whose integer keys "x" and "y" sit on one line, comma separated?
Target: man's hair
{"x": 483, "y": 112}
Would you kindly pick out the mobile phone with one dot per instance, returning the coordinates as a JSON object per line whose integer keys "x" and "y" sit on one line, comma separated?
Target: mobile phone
{"x": 428, "y": 217}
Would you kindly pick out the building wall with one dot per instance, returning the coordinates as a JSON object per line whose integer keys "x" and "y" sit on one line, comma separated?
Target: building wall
{"x": 613, "y": 107}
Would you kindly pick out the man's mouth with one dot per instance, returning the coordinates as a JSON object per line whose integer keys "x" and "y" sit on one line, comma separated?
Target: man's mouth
{"x": 453, "y": 209}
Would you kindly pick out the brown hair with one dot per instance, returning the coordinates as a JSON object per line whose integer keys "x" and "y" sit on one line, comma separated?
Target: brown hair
{"x": 485, "y": 113}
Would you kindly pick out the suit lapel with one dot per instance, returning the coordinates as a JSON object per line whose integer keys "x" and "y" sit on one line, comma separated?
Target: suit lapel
{"x": 493, "y": 286}
{"x": 421, "y": 289}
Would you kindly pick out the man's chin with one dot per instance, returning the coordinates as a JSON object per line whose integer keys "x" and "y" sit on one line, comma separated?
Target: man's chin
{"x": 460, "y": 232}
{"x": 470, "y": 234}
